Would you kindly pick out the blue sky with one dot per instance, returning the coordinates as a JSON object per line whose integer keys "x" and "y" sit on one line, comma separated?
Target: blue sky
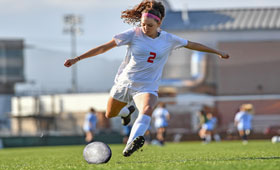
{"x": 40, "y": 24}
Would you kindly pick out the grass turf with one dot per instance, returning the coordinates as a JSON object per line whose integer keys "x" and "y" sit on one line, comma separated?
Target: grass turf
{"x": 257, "y": 155}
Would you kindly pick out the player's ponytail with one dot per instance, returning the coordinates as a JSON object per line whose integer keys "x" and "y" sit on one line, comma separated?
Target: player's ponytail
{"x": 133, "y": 16}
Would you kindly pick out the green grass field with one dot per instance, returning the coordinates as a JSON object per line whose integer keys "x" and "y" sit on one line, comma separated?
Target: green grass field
{"x": 257, "y": 155}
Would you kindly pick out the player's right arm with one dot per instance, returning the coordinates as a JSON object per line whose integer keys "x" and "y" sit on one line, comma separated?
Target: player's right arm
{"x": 93, "y": 52}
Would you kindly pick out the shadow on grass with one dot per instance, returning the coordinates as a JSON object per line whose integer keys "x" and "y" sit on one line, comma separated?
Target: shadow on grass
{"x": 199, "y": 160}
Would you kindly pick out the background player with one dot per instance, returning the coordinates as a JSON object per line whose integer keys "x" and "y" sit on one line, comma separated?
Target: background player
{"x": 161, "y": 117}
{"x": 243, "y": 121}
{"x": 89, "y": 126}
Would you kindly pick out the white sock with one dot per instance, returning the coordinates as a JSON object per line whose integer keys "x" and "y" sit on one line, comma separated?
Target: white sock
{"x": 208, "y": 138}
{"x": 124, "y": 112}
{"x": 139, "y": 127}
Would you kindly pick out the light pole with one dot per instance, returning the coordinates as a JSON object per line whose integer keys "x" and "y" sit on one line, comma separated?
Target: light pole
{"x": 71, "y": 26}
{"x": 3, "y": 55}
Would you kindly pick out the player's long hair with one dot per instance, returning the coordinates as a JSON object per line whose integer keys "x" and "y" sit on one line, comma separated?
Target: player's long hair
{"x": 133, "y": 16}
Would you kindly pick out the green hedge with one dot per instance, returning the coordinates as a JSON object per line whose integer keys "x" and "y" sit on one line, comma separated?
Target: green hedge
{"x": 27, "y": 141}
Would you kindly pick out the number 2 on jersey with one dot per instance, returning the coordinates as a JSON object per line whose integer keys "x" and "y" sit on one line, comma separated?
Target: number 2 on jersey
{"x": 152, "y": 57}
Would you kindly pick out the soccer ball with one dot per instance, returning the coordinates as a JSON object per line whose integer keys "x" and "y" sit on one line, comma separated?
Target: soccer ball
{"x": 97, "y": 153}
{"x": 275, "y": 139}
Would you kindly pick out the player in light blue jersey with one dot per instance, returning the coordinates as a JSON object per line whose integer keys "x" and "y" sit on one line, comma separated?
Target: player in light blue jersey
{"x": 161, "y": 117}
{"x": 89, "y": 126}
{"x": 208, "y": 128}
{"x": 243, "y": 121}
{"x": 138, "y": 77}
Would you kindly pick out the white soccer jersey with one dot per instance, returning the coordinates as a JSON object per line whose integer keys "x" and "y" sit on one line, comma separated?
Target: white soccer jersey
{"x": 145, "y": 58}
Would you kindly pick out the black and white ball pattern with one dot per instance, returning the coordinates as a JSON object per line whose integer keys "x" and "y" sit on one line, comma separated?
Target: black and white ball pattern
{"x": 97, "y": 153}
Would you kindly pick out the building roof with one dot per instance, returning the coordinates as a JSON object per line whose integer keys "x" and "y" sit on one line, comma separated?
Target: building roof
{"x": 223, "y": 20}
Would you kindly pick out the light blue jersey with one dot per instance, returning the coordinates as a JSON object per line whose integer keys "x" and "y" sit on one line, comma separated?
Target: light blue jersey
{"x": 243, "y": 120}
{"x": 210, "y": 124}
{"x": 90, "y": 122}
{"x": 160, "y": 115}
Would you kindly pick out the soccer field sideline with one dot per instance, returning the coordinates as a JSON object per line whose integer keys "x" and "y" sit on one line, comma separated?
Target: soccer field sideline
{"x": 258, "y": 154}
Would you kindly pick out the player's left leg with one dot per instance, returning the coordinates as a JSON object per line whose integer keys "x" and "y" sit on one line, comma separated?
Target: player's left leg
{"x": 162, "y": 134}
{"x": 243, "y": 136}
{"x": 159, "y": 134}
{"x": 145, "y": 103}
{"x": 88, "y": 137}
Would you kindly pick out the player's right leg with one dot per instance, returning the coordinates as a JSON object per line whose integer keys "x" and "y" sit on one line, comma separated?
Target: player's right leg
{"x": 117, "y": 108}
{"x": 119, "y": 97}
{"x": 163, "y": 135}
{"x": 208, "y": 136}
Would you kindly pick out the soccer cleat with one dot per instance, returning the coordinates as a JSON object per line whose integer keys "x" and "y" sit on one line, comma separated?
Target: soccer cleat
{"x": 126, "y": 120}
{"x": 133, "y": 146}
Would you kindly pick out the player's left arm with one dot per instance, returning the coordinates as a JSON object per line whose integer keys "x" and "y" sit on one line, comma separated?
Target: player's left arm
{"x": 199, "y": 47}
{"x": 236, "y": 119}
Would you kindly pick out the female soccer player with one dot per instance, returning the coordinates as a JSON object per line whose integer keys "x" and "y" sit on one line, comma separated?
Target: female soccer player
{"x": 161, "y": 116}
{"x": 243, "y": 120}
{"x": 139, "y": 75}
{"x": 89, "y": 126}
{"x": 208, "y": 128}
